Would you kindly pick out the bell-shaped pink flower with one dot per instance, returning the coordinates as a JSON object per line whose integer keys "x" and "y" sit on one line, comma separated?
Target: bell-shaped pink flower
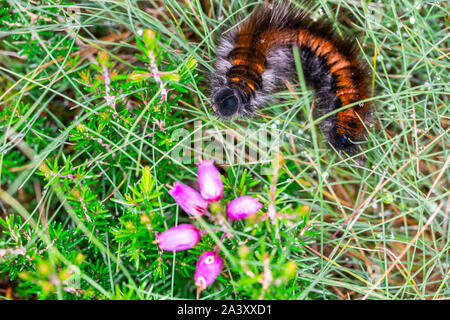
{"x": 208, "y": 268}
{"x": 188, "y": 199}
{"x": 209, "y": 181}
{"x": 182, "y": 237}
{"x": 242, "y": 207}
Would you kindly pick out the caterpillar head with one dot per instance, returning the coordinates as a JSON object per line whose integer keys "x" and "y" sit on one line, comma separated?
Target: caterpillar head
{"x": 228, "y": 102}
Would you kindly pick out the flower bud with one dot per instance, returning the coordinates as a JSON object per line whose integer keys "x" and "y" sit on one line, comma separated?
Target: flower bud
{"x": 182, "y": 237}
{"x": 208, "y": 268}
{"x": 149, "y": 37}
{"x": 242, "y": 207}
{"x": 188, "y": 199}
{"x": 209, "y": 181}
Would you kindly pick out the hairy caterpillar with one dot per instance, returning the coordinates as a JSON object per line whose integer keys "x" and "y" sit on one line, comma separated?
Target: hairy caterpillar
{"x": 253, "y": 57}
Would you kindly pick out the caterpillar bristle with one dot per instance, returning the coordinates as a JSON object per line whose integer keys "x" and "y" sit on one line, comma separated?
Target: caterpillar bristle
{"x": 254, "y": 56}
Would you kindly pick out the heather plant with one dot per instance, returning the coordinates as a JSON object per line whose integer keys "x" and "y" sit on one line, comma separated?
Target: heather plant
{"x": 196, "y": 203}
{"x": 117, "y": 181}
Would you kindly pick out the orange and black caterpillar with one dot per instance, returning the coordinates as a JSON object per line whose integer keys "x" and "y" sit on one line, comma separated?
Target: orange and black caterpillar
{"x": 253, "y": 57}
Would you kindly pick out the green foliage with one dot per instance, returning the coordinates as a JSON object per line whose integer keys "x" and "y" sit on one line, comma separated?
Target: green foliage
{"x": 92, "y": 95}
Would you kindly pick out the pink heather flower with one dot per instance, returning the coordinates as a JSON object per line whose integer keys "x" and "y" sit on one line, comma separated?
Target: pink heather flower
{"x": 242, "y": 207}
{"x": 182, "y": 237}
{"x": 208, "y": 268}
{"x": 209, "y": 181}
{"x": 188, "y": 199}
